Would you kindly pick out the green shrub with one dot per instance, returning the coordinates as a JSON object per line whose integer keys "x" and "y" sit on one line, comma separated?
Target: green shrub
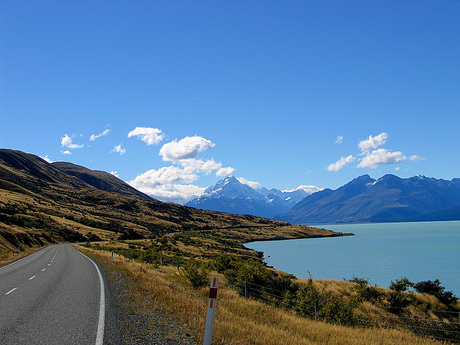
{"x": 335, "y": 309}
{"x": 307, "y": 300}
{"x": 366, "y": 292}
{"x": 436, "y": 289}
{"x": 398, "y": 301}
{"x": 401, "y": 285}
{"x": 195, "y": 273}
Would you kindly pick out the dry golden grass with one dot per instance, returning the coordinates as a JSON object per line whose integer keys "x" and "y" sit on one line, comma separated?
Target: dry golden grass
{"x": 7, "y": 257}
{"x": 241, "y": 321}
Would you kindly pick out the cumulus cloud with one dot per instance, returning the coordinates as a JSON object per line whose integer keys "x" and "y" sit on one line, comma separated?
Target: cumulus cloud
{"x": 372, "y": 156}
{"x": 373, "y": 142}
{"x": 115, "y": 173}
{"x": 151, "y": 136}
{"x": 381, "y": 156}
{"x": 339, "y": 139}
{"x": 96, "y": 136}
{"x": 67, "y": 152}
{"x": 186, "y": 148}
{"x": 252, "y": 184}
{"x": 341, "y": 163}
{"x": 200, "y": 166}
{"x": 223, "y": 172}
{"x": 119, "y": 149}
{"x": 175, "y": 183}
{"x": 171, "y": 184}
{"x": 67, "y": 141}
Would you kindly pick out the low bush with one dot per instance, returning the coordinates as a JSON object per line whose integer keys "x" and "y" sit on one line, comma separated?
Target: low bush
{"x": 195, "y": 273}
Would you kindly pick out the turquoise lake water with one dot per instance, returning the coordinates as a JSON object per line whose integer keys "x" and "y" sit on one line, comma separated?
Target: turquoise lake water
{"x": 379, "y": 252}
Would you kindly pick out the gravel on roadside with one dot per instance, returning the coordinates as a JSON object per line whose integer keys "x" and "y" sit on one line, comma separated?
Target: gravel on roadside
{"x": 140, "y": 318}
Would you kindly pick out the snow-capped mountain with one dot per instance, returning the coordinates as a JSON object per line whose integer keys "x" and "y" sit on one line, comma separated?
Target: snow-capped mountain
{"x": 232, "y": 196}
{"x": 388, "y": 199}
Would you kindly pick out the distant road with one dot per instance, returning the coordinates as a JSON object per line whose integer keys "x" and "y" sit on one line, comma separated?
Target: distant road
{"x": 54, "y": 296}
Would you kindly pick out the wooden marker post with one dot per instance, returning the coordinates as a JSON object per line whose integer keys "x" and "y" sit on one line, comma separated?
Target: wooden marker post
{"x": 211, "y": 311}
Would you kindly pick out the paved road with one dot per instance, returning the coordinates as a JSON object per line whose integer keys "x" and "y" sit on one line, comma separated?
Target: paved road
{"x": 54, "y": 296}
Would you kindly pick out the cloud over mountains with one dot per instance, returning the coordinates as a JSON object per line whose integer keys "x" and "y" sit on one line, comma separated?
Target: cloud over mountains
{"x": 371, "y": 155}
{"x": 175, "y": 182}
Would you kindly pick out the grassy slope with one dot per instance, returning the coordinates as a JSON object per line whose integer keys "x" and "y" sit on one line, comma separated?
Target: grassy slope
{"x": 241, "y": 321}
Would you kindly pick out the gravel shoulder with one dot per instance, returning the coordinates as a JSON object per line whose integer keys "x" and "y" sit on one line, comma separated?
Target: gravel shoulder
{"x": 139, "y": 317}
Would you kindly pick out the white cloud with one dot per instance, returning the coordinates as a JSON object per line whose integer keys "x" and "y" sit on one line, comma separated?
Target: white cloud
{"x": 223, "y": 172}
{"x": 373, "y": 142}
{"x": 307, "y": 189}
{"x": 416, "y": 158}
{"x": 67, "y": 141}
{"x": 165, "y": 175}
{"x": 119, "y": 149}
{"x": 339, "y": 139}
{"x": 46, "y": 159}
{"x": 67, "y": 152}
{"x": 199, "y": 166}
{"x": 186, "y": 148}
{"x": 148, "y": 135}
{"x": 171, "y": 184}
{"x": 115, "y": 173}
{"x": 372, "y": 155}
{"x": 176, "y": 193}
{"x": 96, "y": 136}
{"x": 381, "y": 156}
{"x": 340, "y": 163}
{"x": 252, "y": 184}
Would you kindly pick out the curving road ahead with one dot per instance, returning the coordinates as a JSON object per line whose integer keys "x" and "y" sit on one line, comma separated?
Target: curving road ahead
{"x": 54, "y": 296}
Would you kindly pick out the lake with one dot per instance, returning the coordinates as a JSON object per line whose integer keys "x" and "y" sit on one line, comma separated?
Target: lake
{"x": 379, "y": 252}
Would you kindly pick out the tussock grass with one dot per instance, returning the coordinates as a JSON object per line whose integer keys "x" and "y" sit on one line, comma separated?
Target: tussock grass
{"x": 241, "y": 321}
{"x": 7, "y": 257}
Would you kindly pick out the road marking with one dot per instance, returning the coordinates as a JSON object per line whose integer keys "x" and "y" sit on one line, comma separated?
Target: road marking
{"x": 100, "y": 325}
{"x": 10, "y": 291}
{"x": 31, "y": 277}
{"x": 44, "y": 269}
{"x": 49, "y": 264}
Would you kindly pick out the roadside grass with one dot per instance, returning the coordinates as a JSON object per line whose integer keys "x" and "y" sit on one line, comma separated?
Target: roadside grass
{"x": 8, "y": 257}
{"x": 247, "y": 321}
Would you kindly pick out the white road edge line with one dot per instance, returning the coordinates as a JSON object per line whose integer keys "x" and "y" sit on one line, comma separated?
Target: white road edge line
{"x": 10, "y": 291}
{"x": 100, "y": 325}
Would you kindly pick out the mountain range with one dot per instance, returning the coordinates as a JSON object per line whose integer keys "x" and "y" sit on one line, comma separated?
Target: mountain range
{"x": 232, "y": 196}
{"x": 362, "y": 200}
{"x": 388, "y": 199}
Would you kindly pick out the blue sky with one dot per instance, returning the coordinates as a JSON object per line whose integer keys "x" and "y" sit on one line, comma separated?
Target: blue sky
{"x": 173, "y": 95}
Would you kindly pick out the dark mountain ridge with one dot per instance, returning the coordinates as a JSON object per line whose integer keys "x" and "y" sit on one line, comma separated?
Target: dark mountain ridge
{"x": 388, "y": 199}
{"x": 100, "y": 180}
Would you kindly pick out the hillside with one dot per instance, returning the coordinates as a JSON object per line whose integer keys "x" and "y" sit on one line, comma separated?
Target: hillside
{"x": 388, "y": 199}
{"x": 44, "y": 203}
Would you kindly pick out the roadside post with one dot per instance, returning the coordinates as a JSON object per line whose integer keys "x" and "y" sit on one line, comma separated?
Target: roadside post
{"x": 211, "y": 311}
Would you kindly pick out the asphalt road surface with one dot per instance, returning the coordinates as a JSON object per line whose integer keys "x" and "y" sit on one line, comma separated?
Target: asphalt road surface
{"x": 55, "y": 296}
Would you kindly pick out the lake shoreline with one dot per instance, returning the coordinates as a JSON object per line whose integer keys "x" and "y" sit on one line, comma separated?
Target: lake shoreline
{"x": 379, "y": 252}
